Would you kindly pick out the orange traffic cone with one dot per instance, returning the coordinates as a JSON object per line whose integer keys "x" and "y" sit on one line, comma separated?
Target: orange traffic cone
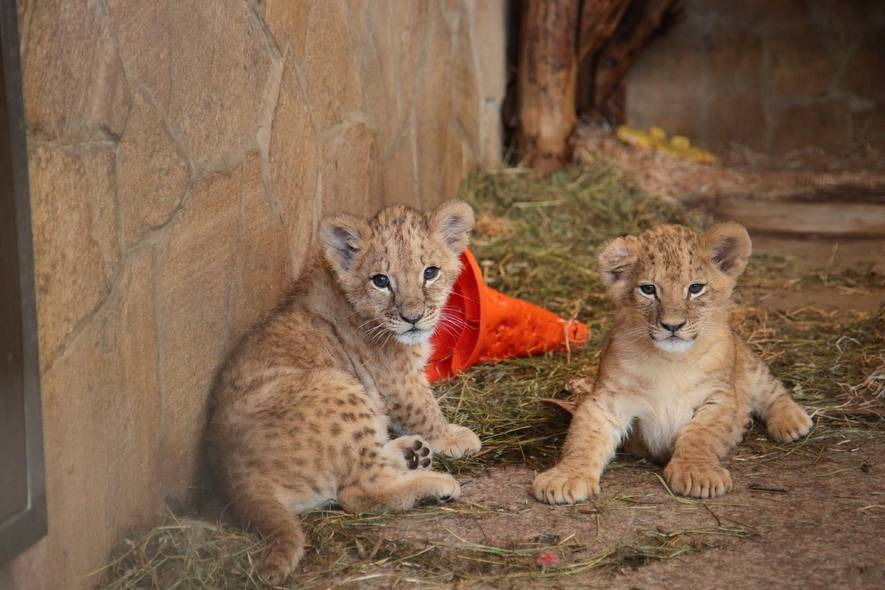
{"x": 479, "y": 324}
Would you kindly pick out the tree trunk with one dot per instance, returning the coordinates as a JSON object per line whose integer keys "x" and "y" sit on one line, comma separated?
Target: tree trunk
{"x": 599, "y": 18}
{"x": 572, "y": 58}
{"x": 640, "y": 22}
{"x": 546, "y": 82}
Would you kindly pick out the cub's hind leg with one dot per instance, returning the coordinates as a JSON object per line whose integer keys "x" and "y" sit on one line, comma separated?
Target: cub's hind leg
{"x": 379, "y": 487}
{"x": 769, "y": 400}
{"x": 784, "y": 419}
{"x": 285, "y": 448}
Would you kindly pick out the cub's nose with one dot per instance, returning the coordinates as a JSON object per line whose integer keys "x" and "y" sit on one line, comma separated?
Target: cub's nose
{"x": 673, "y": 327}
{"x": 412, "y": 320}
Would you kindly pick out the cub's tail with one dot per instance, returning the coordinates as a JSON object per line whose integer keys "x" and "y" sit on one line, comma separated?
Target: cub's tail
{"x": 259, "y": 509}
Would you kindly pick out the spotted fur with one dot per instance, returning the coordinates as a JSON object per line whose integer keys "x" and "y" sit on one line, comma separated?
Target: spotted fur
{"x": 675, "y": 382}
{"x": 301, "y": 412}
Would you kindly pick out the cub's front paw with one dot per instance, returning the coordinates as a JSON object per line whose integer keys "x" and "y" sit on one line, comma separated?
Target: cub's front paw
{"x": 561, "y": 486}
{"x": 788, "y": 423}
{"x": 697, "y": 479}
{"x": 457, "y": 442}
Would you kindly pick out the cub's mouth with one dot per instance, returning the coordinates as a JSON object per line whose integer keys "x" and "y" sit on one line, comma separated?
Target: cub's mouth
{"x": 674, "y": 344}
{"x": 414, "y": 335}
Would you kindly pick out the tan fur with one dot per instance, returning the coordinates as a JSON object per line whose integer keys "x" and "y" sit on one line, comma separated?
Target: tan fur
{"x": 683, "y": 396}
{"x": 301, "y": 411}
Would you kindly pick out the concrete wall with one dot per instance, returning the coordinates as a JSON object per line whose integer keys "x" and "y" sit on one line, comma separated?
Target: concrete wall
{"x": 771, "y": 75}
{"x": 181, "y": 155}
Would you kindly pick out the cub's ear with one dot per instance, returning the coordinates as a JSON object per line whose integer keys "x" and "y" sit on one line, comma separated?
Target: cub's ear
{"x": 342, "y": 237}
{"x": 617, "y": 259}
{"x": 453, "y": 221}
{"x": 729, "y": 247}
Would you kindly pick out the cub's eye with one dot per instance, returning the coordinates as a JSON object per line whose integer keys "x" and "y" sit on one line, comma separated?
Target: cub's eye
{"x": 430, "y": 273}
{"x": 695, "y": 288}
{"x": 647, "y": 289}
{"x": 381, "y": 281}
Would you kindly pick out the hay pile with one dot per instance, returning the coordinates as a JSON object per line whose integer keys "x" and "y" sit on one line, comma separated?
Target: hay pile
{"x": 743, "y": 173}
{"x": 538, "y": 241}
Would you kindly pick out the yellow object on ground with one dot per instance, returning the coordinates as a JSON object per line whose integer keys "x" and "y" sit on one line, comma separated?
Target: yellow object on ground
{"x": 656, "y": 138}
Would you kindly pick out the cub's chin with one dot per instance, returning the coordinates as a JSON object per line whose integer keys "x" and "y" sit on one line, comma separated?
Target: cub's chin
{"x": 674, "y": 344}
{"x": 414, "y": 336}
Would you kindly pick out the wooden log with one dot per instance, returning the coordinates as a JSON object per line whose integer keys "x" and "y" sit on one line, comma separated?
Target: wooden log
{"x": 599, "y": 19}
{"x": 641, "y": 21}
{"x": 547, "y": 68}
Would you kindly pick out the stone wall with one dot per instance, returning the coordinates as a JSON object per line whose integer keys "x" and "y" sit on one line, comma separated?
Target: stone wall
{"x": 774, "y": 76}
{"x": 181, "y": 154}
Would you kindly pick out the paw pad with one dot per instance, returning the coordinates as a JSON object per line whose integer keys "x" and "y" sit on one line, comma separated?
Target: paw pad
{"x": 417, "y": 456}
{"x": 435, "y": 500}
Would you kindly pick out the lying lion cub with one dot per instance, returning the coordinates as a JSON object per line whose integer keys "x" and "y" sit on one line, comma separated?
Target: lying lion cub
{"x": 673, "y": 374}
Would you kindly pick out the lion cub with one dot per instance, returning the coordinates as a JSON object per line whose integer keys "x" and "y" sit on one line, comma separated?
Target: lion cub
{"x": 673, "y": 374}
{"x": 301, "y": 411}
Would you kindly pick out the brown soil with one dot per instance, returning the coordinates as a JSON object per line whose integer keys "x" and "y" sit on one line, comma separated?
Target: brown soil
{"x": 809, "y": 518}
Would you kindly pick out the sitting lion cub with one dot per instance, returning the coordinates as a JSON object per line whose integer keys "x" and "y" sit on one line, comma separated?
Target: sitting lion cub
{"x": 301, "y": 411}
{"x": 673, "y": 374}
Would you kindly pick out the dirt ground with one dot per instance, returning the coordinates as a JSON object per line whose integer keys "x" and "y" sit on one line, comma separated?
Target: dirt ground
{"x": 812, "y": 518}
